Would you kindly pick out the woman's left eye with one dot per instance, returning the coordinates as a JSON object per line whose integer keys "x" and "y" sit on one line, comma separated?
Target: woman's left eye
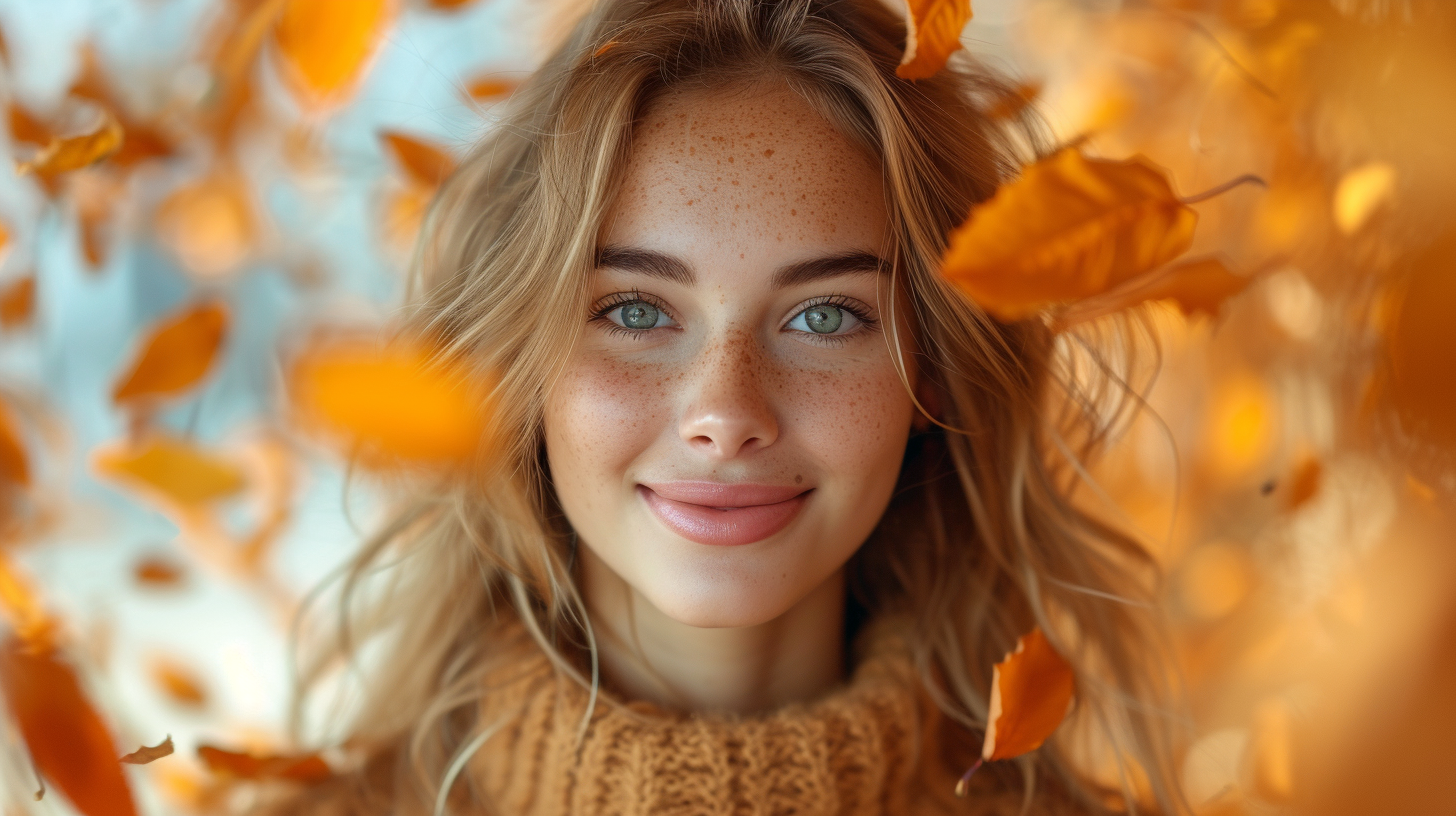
{"x": 825, "y": 319}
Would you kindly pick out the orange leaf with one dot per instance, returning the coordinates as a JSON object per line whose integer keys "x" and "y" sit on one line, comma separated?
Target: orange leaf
{"x": 1014, "y": 102}
{"x": 1031, "y": 691}
{"x": 157, "y": 571}
{"x": 68, "y": 741}
{"x": 177, "y": 354}
{"x": 177, "y": 471}
{"x": 75, "y": 152}
{"x": 25, "y": 127}
{"x": 487, "y": 88}
{"x": 390, "y": 401}
{"x": 306, "y": 768}
{"x": 1196, "y": 287}
{"x": 145, "y": 755}
{"x": 325, "y": 43}
{"x": 179, "y": 683}
{"x": 426, "y": 164}
{"x": 17, "y": 302}
{"x": 1070, "y": 228}
{"x": 22, "y": 608}
{"x": 1422, "y": 386}
{"x": 1308, "y": 475}
{"x": 932, "y": 33}
{"x": 448, "y": 5}
{"x": 14, "y": 464}
{"x": 211, "y": 225}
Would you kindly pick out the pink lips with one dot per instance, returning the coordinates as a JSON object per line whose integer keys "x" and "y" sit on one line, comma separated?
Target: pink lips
{"x": 723, "y": 514}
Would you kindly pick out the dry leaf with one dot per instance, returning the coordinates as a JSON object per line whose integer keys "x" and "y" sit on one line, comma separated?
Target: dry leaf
{"x": 177, "y": 354}
{"x": 157, "y": 571}
{"x": 1304, "y": 484}
{"x": 69, "y": 743}
{"x": 389, "y": 402}
{"x": 17, "y": 302}
{"x": 211, "y": 225}
{"x": 177, "y": 471}
{"x": 932, "y": 34}
{"x": 1360, "y": 193}
{"x": 75, "y": 152}
{"x": 449, "y": 5}
{"x": 145, "y": 755}
{"x": 1070, "y": 228}
{"x": 489, "y": 88}
{"x": 1196, "y": 287}
{"x": 427, "y": 164}
{"x": 179, "y": 683}
{"x": 324, "y": 45}
{"x": 1011, "y": 104}
{"x": 1031, "y": 691}
{"x": 307, "y": 768}
{"x": 25, "y": 127}
{"x": 14, "y": 464}
{"x": 22, "y": 608}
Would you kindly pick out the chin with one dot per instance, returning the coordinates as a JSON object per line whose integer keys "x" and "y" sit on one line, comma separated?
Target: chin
{"x": 719, "y": 601}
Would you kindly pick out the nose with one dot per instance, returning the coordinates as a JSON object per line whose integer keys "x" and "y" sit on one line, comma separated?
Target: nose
{"x": 729, "y": 411}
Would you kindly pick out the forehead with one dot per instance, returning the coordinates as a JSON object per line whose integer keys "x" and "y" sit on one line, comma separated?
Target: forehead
{"x": 753, "y": 170}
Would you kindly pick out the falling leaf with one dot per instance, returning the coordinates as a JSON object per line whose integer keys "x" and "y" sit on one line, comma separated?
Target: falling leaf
{"x": 177, "y": 471}
{"x": 179, "y": 683}
{"x": 391, "y": 401}
{"x": 68, "y": 741}
{"x": 1070, "y": 228}
{"x": 96, "y": 195}
{"x": 14, "y": 464}
{"x": 157, "y": 571}
{"x": 450, "y": 5}
{"x": 22, "y": 608}
{"x": 932, "y": 34}
{"x": 178, "y": 352}
{"x": 1031, "y": 691}
{"x": 17, "y": 302}
{"x": 426, "y": 164}
{"x": 1196, "y": 287}
{"x": 1360, "y": 193}
{"x": 1016, "y": 100}
{"x": 25, "y": 127}
{"x": 75, "y": 152}
{"x": 489, "y": 88}
{"x": 146, "y": 755}
{"x": 211, "y": 225}
{"x": 324, "y": 45}
{"x": 307, "y": 768}
{"x": 1304, "y": 484}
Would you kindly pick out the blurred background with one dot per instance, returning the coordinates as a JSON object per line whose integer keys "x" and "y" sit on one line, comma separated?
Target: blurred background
{"x": 161, "y": 517}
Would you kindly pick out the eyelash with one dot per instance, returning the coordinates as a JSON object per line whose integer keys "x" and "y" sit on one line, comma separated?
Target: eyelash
{"x": 616, "y": 300}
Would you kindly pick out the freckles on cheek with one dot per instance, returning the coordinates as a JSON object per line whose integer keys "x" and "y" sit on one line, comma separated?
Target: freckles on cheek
{"x": 608, "y": 411}
{"x": 851, "y": 417}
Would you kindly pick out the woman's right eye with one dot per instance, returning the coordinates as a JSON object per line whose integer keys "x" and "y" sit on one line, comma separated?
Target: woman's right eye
{"x": 639, "y": 315}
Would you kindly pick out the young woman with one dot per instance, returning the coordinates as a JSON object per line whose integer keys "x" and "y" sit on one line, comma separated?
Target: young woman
{"x": 767, "y": 498}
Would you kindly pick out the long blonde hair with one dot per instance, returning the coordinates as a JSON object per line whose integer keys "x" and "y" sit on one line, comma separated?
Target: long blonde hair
{"x": 981, "y": 541}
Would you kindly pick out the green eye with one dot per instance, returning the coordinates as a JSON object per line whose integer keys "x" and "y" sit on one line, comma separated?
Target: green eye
{"x": 824, "y": 319}
{"x": 639, "y": 315}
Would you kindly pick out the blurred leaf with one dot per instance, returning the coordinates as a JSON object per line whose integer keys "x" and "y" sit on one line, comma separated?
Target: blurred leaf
{"x": 146, "y": 755}
{"x": 14, "y": 464}
{"x": 390, "y": 402}
{"x": 1196, "y": 287}
{"x": 324, "y": 45}
{"x": 490, "y": 88}
{"x": 449, "y": 5}
{"x": 25, "y": 127}
{"x": 1010, "y": 105}
{"x": 17, "y": 302}
{"x": 307, "y": 768}
{"x": 179, "y": 471}
{"x": 427, "y": 164}
{"x": 22, "y": 607}
{"x": 68, "y": 741}
{"x": 75, "y": 152}
{"x": 1304, "y": 483}
{"x": 211, "y": 225}
{"x": 157, "y": 571}
{"x": 932, "y": 33}
{"x": 1422, "y": 342}
{"x": 179, "y": 683}
{"x": 1031, "y": 691}
{"x": 1070, "y": 228}
{"x": 177, "y": 354}
{"x": 1360, "y": 193}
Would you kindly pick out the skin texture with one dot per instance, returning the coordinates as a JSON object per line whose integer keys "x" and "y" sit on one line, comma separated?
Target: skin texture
{"x": 730, "y": 386}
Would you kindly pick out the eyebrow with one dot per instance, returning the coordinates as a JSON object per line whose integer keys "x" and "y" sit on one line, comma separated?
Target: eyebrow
{"x": 659, "y": 265}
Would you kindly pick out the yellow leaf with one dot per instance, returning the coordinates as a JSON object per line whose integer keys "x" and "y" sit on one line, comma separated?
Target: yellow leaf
{"x": 1070, "y": 228}
{"x": 427, "y": 164}
{"x": 391, "y": 402}
{"x": 932, "y": 33}
{"x": 1360, "y": 193}
{"x": 324, "y": 45}
{"x": 1031, "y": 691}
{"x": 176, "y": 355}
{"x": 175, "y": 470}
{"x": 145, "y": 754}
{"x": 75, "y": 152}
{"x": 22, "y": 608}
{"x": 1196, "y": 287}
{"x": 211, "y": 225}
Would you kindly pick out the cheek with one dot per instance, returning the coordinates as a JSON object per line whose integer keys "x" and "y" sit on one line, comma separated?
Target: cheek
{"x": 600, "y": 416}
{"x": 855, "y": 422}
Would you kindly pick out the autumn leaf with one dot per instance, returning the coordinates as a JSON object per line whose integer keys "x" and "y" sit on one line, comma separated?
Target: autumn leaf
{"x": 22, "y": 608}
{"x": 1069, "y": 228}
{"x": 178, "y": 352}
{"x": 489, "y": 88}
{"x": 68, "y": 741}
{"x": 1304, "y": 483}
{"x": 1031, "y": 691}
{"x": 14, "y": 464}
{"x": 449, "y": 5}
{"x": 26, "y": 127}
{"x": 157, "y": 571}
{"x": 1422, "y": 377}
{"x": 75, "y": 152}
{"x": 1195, "y": 287}
{"x": 324, "y": 44}
{"x": 211, "y": 224}
{"x": 17, "y": 302}
{"x": 180, "y": 684}
{"x": 306, "y": 768}
{"x": 427, "y": 164}
{"x": 146, "y": 755}
{"x": 177, "y": 471}
{"x": 932, "y": 33}
{"x": 391, "y": 402}
{"x": 1014, "y": 101}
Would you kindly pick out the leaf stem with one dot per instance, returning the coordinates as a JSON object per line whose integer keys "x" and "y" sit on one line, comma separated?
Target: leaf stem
{"x": 963, "y": 784}
{"x": 1247, "y": 178}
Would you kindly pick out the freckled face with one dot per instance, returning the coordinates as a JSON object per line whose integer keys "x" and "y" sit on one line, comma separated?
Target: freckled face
{"x": 735, "y": 341}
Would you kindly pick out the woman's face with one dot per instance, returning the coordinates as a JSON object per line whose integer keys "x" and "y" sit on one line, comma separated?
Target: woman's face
{"x": 731, "y": 424}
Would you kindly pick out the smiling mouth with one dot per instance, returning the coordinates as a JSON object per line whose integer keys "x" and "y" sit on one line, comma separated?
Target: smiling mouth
{"x": 720, "y": 514}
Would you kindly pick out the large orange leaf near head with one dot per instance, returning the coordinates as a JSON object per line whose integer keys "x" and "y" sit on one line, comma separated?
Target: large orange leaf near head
{"x": 1069, "y": 228}
{"x": 932, "y": 34}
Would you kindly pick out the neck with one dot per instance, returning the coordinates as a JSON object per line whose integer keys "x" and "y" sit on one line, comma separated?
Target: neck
{"x": 645, "y": 655}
